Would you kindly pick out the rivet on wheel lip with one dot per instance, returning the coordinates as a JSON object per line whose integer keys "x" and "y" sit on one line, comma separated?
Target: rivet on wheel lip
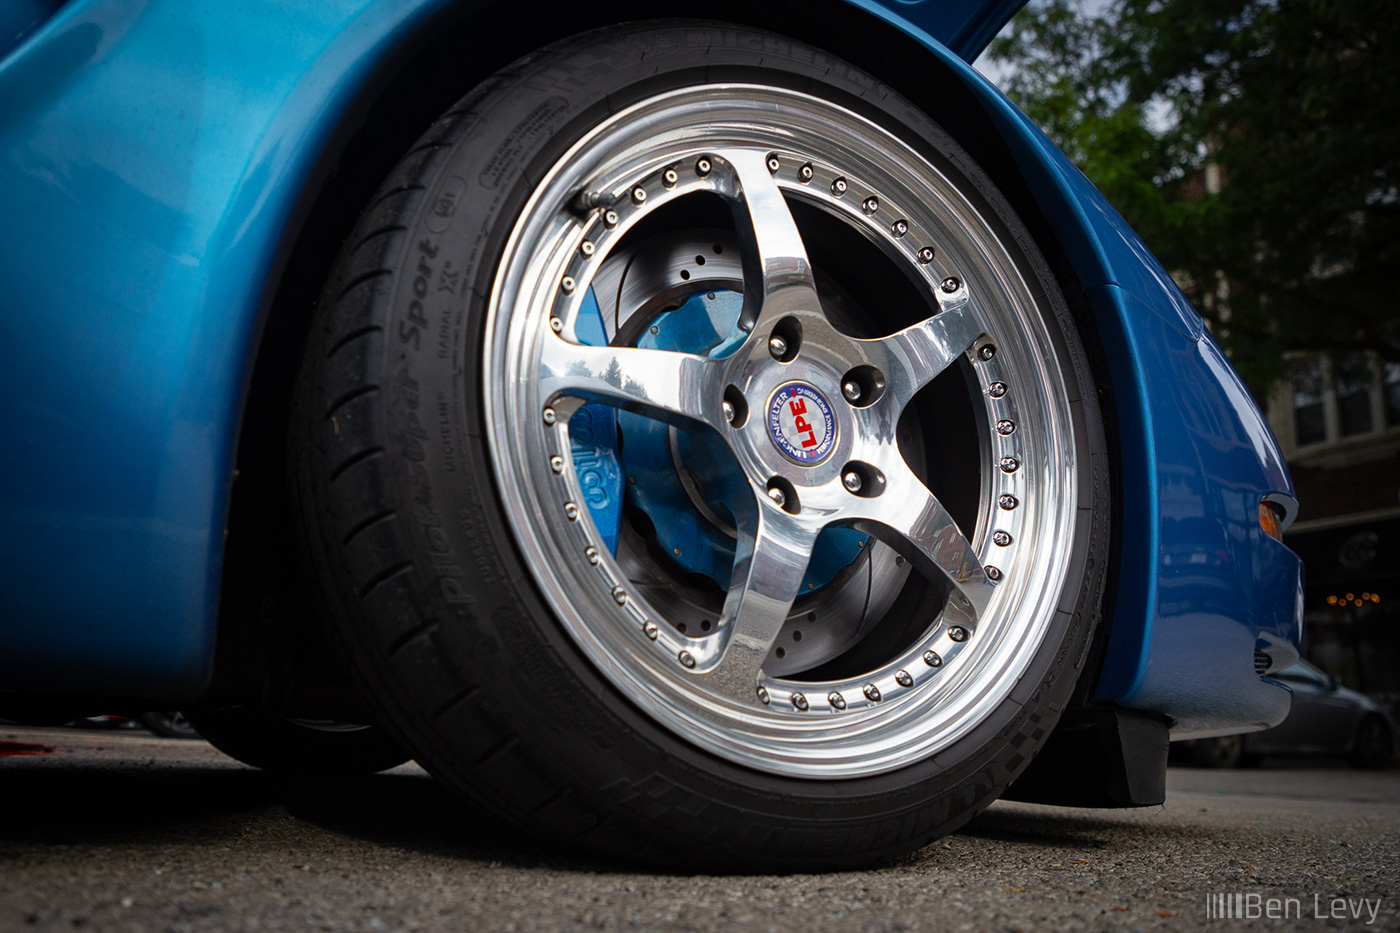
{"x": 1004, "y": 428}
{"x": 686, "y": 658}
{"x": 610, "y": 219}
{"x": 838, "y": 187}
{"x": 619, "y": 595}
{"x": 556, "y": 463}
{"x": 805, "y": 173}
{"x": 872, "y": 693}
{"x": 926, "y": 255}
{"x": 899, "y": 228}
{"x": 556, "y": 325}
{"x": 670, "y": 177}
{"x": 996, "y": 389}
{"x": 993, "y": 573}
{"x": 799, "y": 701}
{"x": 950, "y": 285}
{"x": 586, "y": 247}
{"x": 986, "y": 352}
{"x": 836, "y": 700}
{"x": 933, "y": 659}
{"x": 957, "y": 633}
{"x": 1008, "y": 502}
{"x": 568, "y": 284}
{"x": 591, "y": 553}
{"x": 703, "y": 166}
{"x": 763, "y": 695}
{"x": 650, "y": 630}
{"x": 1001, "y": 538}
{"x": 870, "y": 205}
{"x": 773, "y": 163}
{"x": 1009, "y": 464}
{"x": 548, "y": 416}
{"x": 571, "y": 510}
{"x": 639, "y": 195}
{"x": 904, "y": 679}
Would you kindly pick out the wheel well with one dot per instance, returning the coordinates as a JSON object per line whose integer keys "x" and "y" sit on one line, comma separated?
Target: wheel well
{"x": 269, "y": 649}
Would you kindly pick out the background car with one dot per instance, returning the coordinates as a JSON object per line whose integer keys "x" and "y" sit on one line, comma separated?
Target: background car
{"x": 742, "y": 441}
{"x": 1325, "y": 720}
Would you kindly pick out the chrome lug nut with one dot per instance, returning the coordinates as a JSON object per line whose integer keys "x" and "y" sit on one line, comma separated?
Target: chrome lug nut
{"x": 778, "y": 347}
{"x": 728, "y": 409}
{"x": 778, "y": 498}
{"x": 851, "y": 480}
{"x": 851, "y": 389}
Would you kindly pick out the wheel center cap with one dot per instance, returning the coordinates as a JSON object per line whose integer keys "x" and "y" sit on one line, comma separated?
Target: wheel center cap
{"x": 801, "y": 423}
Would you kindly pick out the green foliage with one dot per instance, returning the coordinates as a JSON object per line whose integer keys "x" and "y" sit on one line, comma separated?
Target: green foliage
{"x": 1296, "y": 105}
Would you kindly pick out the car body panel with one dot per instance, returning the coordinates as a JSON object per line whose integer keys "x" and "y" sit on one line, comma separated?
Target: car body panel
{"x": 155, "y": 157}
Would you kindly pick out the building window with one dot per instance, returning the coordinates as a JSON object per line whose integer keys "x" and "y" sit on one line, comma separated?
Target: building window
{"x": 1350, "y": 396}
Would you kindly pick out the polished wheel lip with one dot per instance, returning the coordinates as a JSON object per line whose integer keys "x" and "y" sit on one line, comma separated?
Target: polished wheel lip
{"x": 865, "y": 725}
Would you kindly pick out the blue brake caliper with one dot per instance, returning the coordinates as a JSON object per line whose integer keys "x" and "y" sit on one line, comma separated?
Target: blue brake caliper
{"x": 608, "y": 444}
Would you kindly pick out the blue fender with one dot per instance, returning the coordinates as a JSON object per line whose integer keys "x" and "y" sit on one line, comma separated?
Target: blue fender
{"x": 152, "y": 161}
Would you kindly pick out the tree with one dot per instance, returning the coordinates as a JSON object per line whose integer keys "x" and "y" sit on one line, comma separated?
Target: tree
{"x": 1254, "y": 145}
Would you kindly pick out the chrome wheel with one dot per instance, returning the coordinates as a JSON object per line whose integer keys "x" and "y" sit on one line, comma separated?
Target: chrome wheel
{"x": 722, "y": 465}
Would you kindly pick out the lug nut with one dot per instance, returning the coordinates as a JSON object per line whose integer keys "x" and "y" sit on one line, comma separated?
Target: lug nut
{"x": 851, "y": 389}
{"x": 778, "y": 347}
{"x": 777, "y": 496}
{"x": 728, "y": 410}
{"x": 851, "y": 480}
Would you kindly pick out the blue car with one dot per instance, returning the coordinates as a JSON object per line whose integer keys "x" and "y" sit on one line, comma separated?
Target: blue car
{"x": 739, "y": 440}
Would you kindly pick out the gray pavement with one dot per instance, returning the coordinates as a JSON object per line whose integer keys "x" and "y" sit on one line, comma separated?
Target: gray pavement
{"x": 124, "y": 831}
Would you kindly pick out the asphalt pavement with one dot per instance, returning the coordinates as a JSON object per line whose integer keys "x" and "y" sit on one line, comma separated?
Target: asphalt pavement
{"x": 125, "y": 831}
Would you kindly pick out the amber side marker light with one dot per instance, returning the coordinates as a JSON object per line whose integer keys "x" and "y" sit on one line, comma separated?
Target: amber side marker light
{"x": 1270, "y": 520}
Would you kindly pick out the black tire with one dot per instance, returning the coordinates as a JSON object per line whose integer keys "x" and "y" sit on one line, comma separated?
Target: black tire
{"x": 298, "y": 748}
{"x": 169, "y": 725}
{"x": 1226, "y": 751}
{"x": 437, "y": 610}
{"x": 1374, "y": 746}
